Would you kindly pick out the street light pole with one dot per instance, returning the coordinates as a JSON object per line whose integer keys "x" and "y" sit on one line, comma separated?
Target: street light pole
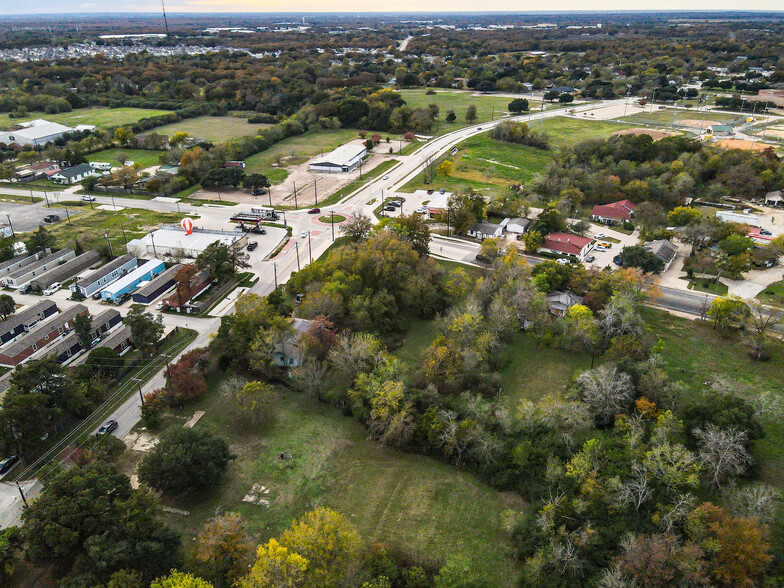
{"x": 296, "y": 246}
{"x": 295, "y": 195}
{"x": 111, "y": 253}
{"x": 332, "y": 224}
{"x": 310, "y": 248}
{"x": 315, "y": 190}
{"x": 275, "y": 269}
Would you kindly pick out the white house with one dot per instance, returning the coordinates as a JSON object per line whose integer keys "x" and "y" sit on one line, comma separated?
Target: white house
{"x": 567, "y": 244}
{"x": 485, "y": 230}
{"x": 73, "y": 175}
{"x": 101, "y": 165}
{"x": 345, "y": 158}
{"x": 517, "y": 225}
{"x": 34, "y": 132}
{"x": 774, "y": 198}
{"x": 290, "y": 353}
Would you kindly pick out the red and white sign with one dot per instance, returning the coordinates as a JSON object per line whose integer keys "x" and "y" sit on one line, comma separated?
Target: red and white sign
{"x": 187, "y": 224}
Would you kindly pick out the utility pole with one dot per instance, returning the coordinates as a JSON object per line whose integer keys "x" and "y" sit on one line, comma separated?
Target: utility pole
{"x": 332, "y": 225}
{"x": 109, "y": 243}
{"x": 315, "y": 190}
{"x": 141, "y": 396}
{"x": 114, "y": 206}
{"x": 296, "y": 246}
{"x": 295, "y": 195}
{"x": 310, "y": 248}
{"x": 10, "y": 224}
{"x": 269, "y": 193}
{"x": 21, "y": 493}
{"x": 275, "y": 269}
{"x": 152, "y": 240}
{"x": 45, "y": 196}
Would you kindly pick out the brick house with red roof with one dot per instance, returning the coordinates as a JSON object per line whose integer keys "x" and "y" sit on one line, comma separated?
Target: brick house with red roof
{"x": 614, "y": 212}
{"x": 567, "y": 244}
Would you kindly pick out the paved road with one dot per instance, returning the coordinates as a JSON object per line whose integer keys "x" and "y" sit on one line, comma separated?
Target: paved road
{"x": 297, "y": 253}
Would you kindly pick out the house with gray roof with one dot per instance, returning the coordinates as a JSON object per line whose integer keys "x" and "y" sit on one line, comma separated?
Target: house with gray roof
{"x": 664, "y": 249}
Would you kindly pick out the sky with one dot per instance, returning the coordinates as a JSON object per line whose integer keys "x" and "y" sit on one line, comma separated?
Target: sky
{"x": 8, "y": 7}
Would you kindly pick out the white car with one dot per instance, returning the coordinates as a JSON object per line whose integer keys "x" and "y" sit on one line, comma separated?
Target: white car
{"x": 563, "y": 261}
{"x": 385, "y": 178}
{"x": 303, "y": 235}
{"x": 421, "y": 210}
{"x": 600, "y": 248}
{"x": 599, "y": 236}
{"x": 88, "y": 198}
{"x": 52, "y": 289}
{"x": 159, "y": 306}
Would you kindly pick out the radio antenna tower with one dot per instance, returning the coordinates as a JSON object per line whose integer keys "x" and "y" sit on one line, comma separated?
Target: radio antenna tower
{"x": 165, "y": 22}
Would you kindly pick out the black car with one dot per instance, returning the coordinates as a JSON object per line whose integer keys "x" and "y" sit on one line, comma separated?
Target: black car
{"x": 252, "y": 245}
{"x": 258, "y": 192}
{"x": 51, "y": 218}
{"x": 617, "y": 260}
{"x": 96, "y": 295}
{"x": 390, "y": 208}
{"x": 107, "y": 427}
{"x": 259, "y": 230}
{"x": 8, "y": 463}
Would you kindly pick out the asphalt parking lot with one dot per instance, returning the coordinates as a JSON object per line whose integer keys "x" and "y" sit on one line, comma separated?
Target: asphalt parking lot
{"x": 28, "y": 217}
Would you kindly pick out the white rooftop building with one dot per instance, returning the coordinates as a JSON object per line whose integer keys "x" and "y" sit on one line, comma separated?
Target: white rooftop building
{"x": 35, "y": 132}
{"x": 172, "y": 241}
{"x": 344, "y": 159}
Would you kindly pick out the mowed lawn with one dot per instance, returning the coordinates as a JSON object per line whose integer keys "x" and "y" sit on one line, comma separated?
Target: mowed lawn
{"x": 122, "y": 225}
{"x": 411, "y": 502}
{"x": 566, "y": 132}
{"x": 98, "y": 116}
{"x": 773, "y": 294}
{"x": 296, "y": 150}
{"x": 665, "y": 116}
{"x": 695, "y": 353}
{"x": 486, "y": 164}
{"x": 488, "y": 106}
{"x": 144, "y": 157}
{"x": 217, "y": 129}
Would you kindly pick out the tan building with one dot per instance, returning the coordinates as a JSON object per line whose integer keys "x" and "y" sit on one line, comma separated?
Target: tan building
{"x": 774, "y": 96}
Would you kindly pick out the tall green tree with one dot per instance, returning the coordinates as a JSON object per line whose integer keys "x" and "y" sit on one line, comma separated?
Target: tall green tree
{"x": 185, "y": 459}
{"x": 40, "y": 240}
{"x": 7, "y": 306}
{"x": 83, "y": 325}
{"x": 88, "y": 523}
{"x": 146, "y": 330}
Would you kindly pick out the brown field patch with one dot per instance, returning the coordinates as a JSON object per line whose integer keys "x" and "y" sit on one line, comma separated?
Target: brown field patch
{"x": 697, "y": 124}
{"x": 654, "y": 133}
{"x": 741, "y": 144}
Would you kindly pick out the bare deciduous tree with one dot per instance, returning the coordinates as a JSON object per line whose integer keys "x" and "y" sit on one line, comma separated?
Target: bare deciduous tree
{"x": 607, "y": 391}
{"x": 723, "y": 453}
{"x": 757, "y": 500}
{"x": 635, "y": 490}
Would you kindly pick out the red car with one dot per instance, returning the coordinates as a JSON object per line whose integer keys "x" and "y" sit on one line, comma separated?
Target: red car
{"x": 314, "y": 211}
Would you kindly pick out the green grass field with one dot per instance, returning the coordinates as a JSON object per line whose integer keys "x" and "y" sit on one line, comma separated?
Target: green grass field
{"x": 486, "y": 164}
{"x": 98, "y": 116}
{"x": 296, "y": 150}
{"x": 532, "y": 371}
{"x": 695, "y": 353}
{"x": 217, "y": 129}
{"x": 773, "y": 294}
{"x": 411, "y": 502}
{"x": 89, "y": 226}
{"x": 488, "y": 106}
{"x": 144, "y": 157}
{"x": 565, "y": 132}
{"x": 664, "y": 117}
